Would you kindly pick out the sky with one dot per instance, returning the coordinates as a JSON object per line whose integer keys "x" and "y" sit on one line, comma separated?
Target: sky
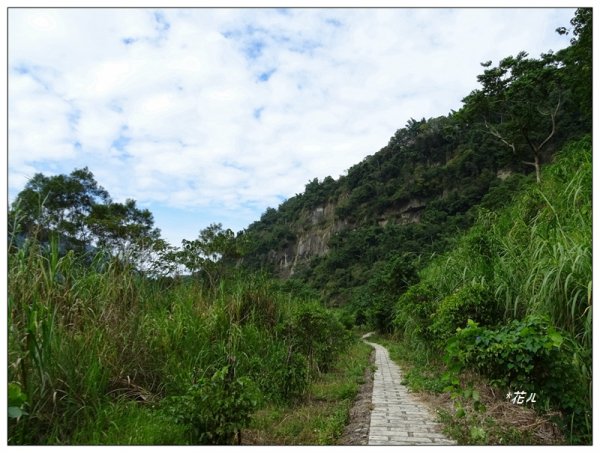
{"x": 212, "y": 115}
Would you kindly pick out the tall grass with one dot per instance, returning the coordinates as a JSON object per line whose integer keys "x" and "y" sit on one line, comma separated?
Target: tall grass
{"x": 535, "y": 256}
{"x": 88, "y": 335}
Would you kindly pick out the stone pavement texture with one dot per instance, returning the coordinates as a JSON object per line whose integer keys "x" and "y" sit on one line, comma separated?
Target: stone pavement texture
{"x": 397, "y": 417}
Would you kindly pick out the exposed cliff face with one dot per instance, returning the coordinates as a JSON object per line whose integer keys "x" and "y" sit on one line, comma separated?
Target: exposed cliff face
{"x": 408, "y": 213}
{"x": 320, "y": 224}
{"x": 312, "y": 238}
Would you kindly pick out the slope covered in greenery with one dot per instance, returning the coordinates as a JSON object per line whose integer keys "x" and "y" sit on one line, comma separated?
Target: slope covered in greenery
{"x": 468, "y": 236}
{"x": 513, "y": 299}
{"x": 409, "y": 200}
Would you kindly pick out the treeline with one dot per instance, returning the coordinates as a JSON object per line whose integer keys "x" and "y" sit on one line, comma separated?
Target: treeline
{"x": 81, "y": 216}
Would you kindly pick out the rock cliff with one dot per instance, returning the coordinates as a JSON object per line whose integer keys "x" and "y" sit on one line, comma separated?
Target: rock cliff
{"x": 317, "y": 226}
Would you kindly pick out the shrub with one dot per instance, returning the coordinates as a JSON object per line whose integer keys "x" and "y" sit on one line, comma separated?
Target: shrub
{"x": 274, "y": 366}
{"x": 413, "y": 311}
{"x": 472, "y": 301}
{"x": 315, "y": 333}
{"x": 214, "y": 410}
{"x": 529, "y": 355}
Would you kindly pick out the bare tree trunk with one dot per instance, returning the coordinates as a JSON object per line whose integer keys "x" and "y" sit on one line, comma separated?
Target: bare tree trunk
{"x": 536, "y": 164}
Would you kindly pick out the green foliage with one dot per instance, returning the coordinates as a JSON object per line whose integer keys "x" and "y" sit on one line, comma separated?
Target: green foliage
{"x": 426, "y": 183}
{"x": 578, "y": 61}
{"x": 516, "y": 354}
{"x": 210, "y": 253}
{"x": 472, "y": 302}
{"x": 78, "y": 213}
{"x": 388, "y": 280}
{"x": 318, "y": 335}
{"x": 87, "y": 333}
{"x": 59, "y": 203}
{"x": 413, "y": 311}
{"x": 503, "y": 192}
{"x": 529, "y": 355}
{"x": 124, "y": 422}
{"x": 17, "y": 410}
{"x": 534, "y": 258}
{"x": 214, "y": 410}
{"x": 16, "y": 401}
{"x": 320, "y": 417}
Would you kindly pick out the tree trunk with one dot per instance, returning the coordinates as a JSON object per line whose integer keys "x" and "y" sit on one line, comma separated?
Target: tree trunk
{"x": 536, "y": 164}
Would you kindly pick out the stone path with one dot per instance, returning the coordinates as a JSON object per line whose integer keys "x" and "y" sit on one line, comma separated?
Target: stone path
{"x": 397, "y": 417}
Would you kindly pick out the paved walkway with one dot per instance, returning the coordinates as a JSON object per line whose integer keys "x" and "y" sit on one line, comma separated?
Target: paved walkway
{"x": 397, "y": 417}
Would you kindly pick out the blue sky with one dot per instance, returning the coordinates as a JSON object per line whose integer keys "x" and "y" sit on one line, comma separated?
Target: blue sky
{"x": 213, "y": 115}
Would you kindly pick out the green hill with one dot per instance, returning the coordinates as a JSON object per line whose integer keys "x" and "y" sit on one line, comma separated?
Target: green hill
{"x": 410, "y": 199}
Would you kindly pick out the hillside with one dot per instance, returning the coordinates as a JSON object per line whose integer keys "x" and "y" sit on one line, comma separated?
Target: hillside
{"x": 512, "y": 302}
{"x": 409, "y": 199}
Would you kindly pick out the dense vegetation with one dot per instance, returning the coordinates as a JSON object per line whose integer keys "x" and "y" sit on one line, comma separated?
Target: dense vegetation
{"x": 94, "y": 343}
{"x": 467, "y": 237}
{"x": 463, "y": 222}
{"x": 102, "y": 341}
{"x": 513, "y": 298}
{"x": 412, "y": 197}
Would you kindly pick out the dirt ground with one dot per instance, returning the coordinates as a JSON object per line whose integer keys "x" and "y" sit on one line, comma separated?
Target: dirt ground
{"x": 357, "y": 430}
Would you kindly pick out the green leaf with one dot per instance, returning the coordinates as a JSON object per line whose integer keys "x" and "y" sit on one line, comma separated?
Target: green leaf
{"x": 479, "y": 406}
{"x": 557, "y": 338}
{"x": 477, "y": 433}
{"x": 15, "y": 412}
{"x": 16, "y": 397}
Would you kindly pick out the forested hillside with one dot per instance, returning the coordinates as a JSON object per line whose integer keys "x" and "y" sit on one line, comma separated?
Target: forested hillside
{"x": 408, "y": 200}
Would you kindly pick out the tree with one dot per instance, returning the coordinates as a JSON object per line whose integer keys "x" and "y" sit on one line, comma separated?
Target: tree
{"x": 209, "y": 254}
{"x": 519, "y": 102}
{"x": 77, "y": 209}
{"x": 577, "y": 60}
{"x": 124, "y": 229}
{"x": 390, "y": 279}
{"x": 60, "y": 204}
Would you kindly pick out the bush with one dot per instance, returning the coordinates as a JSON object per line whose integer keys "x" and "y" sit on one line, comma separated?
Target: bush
{"x": 469, "y": 302}
{"x": 214, "y": 410}
{"x": 278, "y": 370}
{"x": 316, "y": 334}
{"x": 413, "y": 311}
{"x": 529, "y": 355}
{"x": 346, "y": 318}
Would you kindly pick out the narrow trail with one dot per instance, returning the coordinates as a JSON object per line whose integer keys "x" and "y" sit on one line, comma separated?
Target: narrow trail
{"x": 397, "y": 417}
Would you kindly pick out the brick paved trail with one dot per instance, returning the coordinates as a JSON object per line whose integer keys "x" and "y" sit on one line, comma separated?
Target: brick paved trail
{"x": 397, "y": 417}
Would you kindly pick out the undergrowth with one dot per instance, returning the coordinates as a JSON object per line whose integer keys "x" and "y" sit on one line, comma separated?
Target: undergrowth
{"x": 320, "y": 416}
{"x": 513, "y": 301}
{"x": 93, "y": 346}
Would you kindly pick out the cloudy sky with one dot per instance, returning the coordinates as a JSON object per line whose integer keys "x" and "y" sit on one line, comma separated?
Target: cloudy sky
{"x": 213, "y": 115}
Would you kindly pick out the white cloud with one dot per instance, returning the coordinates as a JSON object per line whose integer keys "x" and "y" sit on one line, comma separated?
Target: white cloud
{"x": 208, "y": 108}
